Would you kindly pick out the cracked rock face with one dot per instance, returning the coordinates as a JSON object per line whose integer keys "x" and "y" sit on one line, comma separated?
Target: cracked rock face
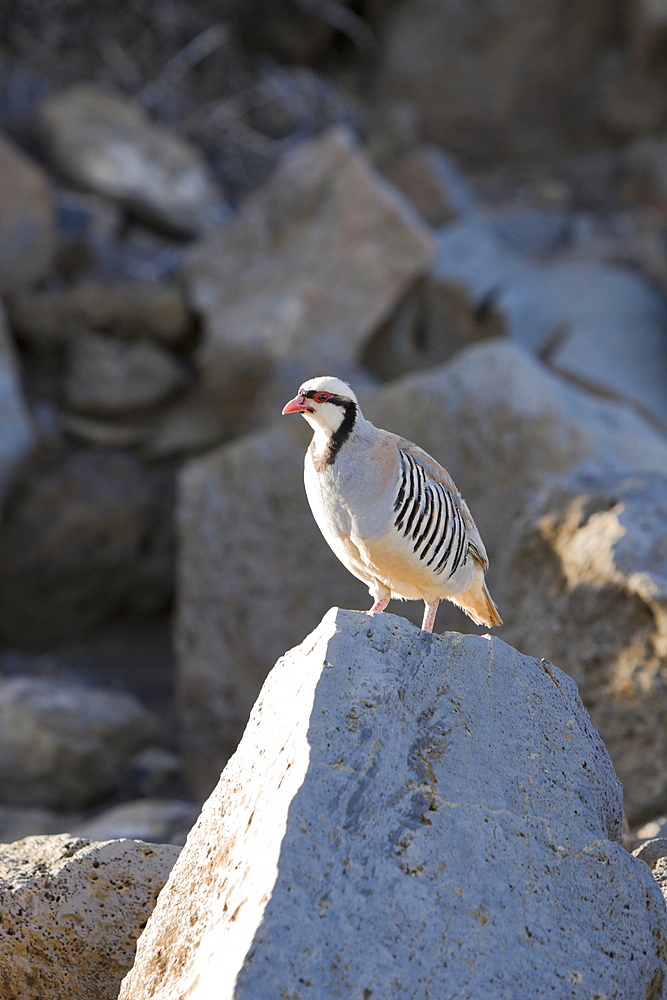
{"x": 408, "y": 816}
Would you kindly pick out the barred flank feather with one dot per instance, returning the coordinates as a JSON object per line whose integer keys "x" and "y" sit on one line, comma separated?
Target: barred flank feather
{"x": 429, "y": 515}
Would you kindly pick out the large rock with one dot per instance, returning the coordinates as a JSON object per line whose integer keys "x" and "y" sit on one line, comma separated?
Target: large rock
{"x": 85, "y": 535}
{"x": 27, "y": 220}
{"x": 71, "y": 913}
{"x": 493, "y": 80}
{"x": 253, "y": 577}
{"x": 63, "y": 745}
{"x": 602, "y": 326}
{"x": 585, "y": 580}
{"x": 18, "y": 437}
{"x": 106, "y": 376}
{"x": 122, "y": 307}
{"x": 408, "y": 815}
{"x": 107, "y": 144}
{"x": 312, "y": 263}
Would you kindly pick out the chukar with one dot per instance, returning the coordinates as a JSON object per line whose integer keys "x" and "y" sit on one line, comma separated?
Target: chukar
{"x": 392, "y": 515}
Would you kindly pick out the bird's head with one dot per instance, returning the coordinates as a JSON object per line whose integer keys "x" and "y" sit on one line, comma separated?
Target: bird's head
{"x": 325, "y": 402}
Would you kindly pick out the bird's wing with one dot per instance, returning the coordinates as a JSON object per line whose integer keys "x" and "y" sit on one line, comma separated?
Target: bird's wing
{"x": 435, "y": 473}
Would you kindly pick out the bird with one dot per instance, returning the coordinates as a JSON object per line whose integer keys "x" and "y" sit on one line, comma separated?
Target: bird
{"x": 388, "y": 510}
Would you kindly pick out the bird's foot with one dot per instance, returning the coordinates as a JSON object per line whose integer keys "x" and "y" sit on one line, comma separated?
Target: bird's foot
{"x": 430, "y": 611}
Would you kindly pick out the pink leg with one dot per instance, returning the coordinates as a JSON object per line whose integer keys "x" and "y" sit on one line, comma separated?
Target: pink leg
{"x": 380, "y": 604}
{"x": 430, "y": 611}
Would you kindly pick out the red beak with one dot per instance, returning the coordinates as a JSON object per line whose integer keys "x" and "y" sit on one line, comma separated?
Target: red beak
{"x": 297, "y": 405}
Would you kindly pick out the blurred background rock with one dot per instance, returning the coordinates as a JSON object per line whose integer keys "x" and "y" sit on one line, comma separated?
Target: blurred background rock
{"x": 460, "y": 207}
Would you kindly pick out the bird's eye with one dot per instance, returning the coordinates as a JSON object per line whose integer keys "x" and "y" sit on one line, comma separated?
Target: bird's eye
{"x": 322, "y": 397}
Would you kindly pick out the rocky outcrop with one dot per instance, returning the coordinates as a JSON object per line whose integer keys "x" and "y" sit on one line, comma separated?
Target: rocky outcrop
{"x": 403, "y": 809}
{"x": 586, "y": 580}
{"x": 71, "y": 913}
{"x": 107, "y": 377}
{"x": 311, "y": 264}
{"x": 251, "y": 580}
{"x": 121, "y": 307}
{"x": 601, "y": 326}
{"x": 65, "y": 745}
{"x": 107, "y": 144}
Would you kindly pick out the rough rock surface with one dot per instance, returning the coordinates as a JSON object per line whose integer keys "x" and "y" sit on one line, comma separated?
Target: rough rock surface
{"x": 83, "y": 536}
{"x": 123, "y": 307}
{"x": 403, "y": 809}
{"x": 253, "y": 578}
{"x": 108, "y": 145}
{"x": 311, "y": 264}
{"x": 586, "y": 579}
{"x": 65, "y": 745}
{"x": 107, "y": 376}
{"x": 27, "y": 220}
{"x": 17, "y": 437}
{"x": 71, "y": 913}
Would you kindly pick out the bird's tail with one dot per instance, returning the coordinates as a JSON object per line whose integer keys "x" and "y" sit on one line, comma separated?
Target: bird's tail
{"x": 479, "y": 605}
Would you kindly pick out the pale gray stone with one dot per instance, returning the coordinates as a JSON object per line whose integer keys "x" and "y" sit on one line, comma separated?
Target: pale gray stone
{"x": 602, "y": 326}
{"x": 107, "y": 144}
{"x": 584, "y": 575}
{"x": 106, "y": 376}
{"x": 408, "y": 816}
{"x": 63, "y": 745}
{"x": 72, "y": 911}
{"x": 158, "y": 821}
{"x": 615, "y": 338}
{"x": 313, "y": 262}
{"x": 253, "y": 577}
{"x": 537, "y": 232}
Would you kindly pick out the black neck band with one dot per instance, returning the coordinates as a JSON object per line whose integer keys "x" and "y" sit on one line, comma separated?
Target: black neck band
{"x": 340, "y": 436}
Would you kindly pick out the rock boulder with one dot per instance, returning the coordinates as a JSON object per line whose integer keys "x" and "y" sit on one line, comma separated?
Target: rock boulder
{"x": 585, "y": 577}
{"x": 107, "y": 144}
{"x": 408, "y": 816}
{"x": 71, "y": 913}
{"x": 255, "y": 576}
{"x": 313, "y": 262}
